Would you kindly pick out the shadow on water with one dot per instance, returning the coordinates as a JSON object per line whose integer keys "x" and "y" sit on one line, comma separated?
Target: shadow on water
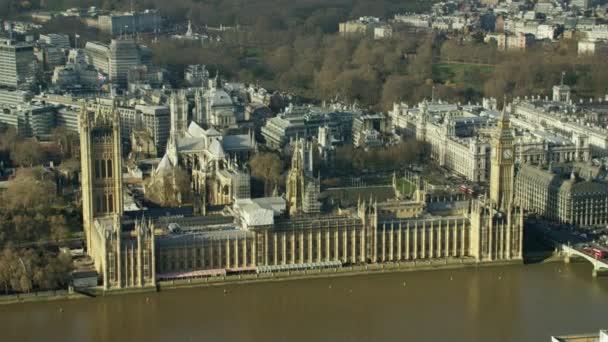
{"x": 86, "y": 292}
{"x": 538, "y": 257}
{"x": 537, "y": 248}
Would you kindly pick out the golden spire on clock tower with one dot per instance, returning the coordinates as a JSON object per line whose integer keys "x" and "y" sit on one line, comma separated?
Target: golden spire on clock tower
{"x": 502, "y": 164}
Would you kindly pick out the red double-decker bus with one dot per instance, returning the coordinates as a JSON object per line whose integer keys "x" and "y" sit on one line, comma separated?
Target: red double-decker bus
{"x": 467, "y": 190}
{"x": 595, "y": 252}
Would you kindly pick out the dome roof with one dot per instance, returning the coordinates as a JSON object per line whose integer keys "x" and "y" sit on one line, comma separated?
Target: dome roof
{"x": 220, "y": 98}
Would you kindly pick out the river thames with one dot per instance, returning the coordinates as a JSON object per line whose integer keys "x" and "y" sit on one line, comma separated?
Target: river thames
{"x": 508, "y": 303}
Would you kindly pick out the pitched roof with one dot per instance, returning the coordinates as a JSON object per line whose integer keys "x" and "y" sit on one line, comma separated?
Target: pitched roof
{"x": 191, "y": 144}
{"x": 164, "y": 167}
{"x": 195, "y": 131}
{"x": 237, "y": 142}
{"x": 216, "y": 149}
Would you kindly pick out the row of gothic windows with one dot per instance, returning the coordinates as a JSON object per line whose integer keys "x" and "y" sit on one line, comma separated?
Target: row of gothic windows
{"x": 103, "y": 168}
{"x": 104, "y": 203}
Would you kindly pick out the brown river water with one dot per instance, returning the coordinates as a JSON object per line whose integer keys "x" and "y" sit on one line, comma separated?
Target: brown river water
{"x": 506, "y": 303}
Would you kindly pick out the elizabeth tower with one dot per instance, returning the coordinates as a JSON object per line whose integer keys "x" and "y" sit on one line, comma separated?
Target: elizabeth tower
{"x": 502, "y": 165}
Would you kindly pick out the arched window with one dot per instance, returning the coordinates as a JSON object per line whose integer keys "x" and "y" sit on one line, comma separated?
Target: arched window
{"x": 102, "y": 204}
{"x": 110, "y": 203}
{"x": 109, "y": 168}
{"x": 97, "y": 205}
{"x": 97, "y": 168}
{"x": 102, "y": 165}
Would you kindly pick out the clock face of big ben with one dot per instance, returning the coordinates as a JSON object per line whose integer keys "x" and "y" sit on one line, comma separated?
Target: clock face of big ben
{"x": 507, "y": 153}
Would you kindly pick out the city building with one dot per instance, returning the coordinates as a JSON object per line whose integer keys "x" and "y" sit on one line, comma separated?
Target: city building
{"x": 519, "y": 41}
{"x": 256, "y": 236}
{"x": 97, "y": 54}
{"x": 122, "y": 258}
{"x": 17, "y": 64}
{"x": 382, "y": 32}
{"x": 561, "y": 115}
{"x": 196, "y": 75}
{"x": 415, "y": 20}
{"x": 145, "y": 77}
{"x": 451, "y": 133}
{"x": 129, "y": 23}
{"x": 574, "y": 193}
{"x": 156, "y": 120}
{"x": 11, "y": 97}
{"x": 123, "y": 55}
{"x": 29, "y": 119}
{"x": 580, "y": 4}
{"x": 218, "y": 104}
{"x": 372, "y": 130}
{"x": 77, "y": 74}
{"x": 117, "y": 59}
{"x": 601, "y": 336}
{"x": 541, "y": 146}
{"x": 51, "y": 57}
{"x": 592, "y": 48}
{"x": 362, "y": 25}
{"x": 68, "y": 117}
{"x": 57, "y": 40}
{"x": 304, "y": 122}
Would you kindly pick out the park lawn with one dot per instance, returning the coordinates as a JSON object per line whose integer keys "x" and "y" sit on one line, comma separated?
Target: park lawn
{"x": 472, "y": 75}
{"x": 405, "y": 187}
{"x": 253, "y": 52}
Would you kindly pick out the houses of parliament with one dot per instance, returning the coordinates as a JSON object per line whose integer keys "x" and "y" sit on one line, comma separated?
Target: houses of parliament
{"x": 285, "y": 232}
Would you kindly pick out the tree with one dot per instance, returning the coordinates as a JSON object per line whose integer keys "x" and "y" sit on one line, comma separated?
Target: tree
{"x": 422, "y": 66}
{"x": 28, "y": 269}
{"x": 25, "y": 283}
{"x": 267, "y": 167}
{"x": 6, "y": 260}
{"x": 30, "y": 189}
{"x": 58, "y": 227}
{"x": 27, "y": 154}
{"x": 282, "y": 59}
{"x": 396, "y": 89}
{"x": 8, "y": 140}
{"x": 56, "y": 272}
{"x": 25, "y": 227}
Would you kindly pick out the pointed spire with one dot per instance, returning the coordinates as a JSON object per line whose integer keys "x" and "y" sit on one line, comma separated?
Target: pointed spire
{"x": 218, "y": 82}
{"x": 189, "y": 32}
{"x": 114, "y": 114}
{"x": 504, "y": 122}
{"x": 275, "y": 191}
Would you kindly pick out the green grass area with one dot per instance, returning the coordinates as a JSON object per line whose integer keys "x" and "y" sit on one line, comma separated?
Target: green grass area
{"x": 253, "y": 52}
{"x": 405, "y": 187}
{"x": 473, "y": 75}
